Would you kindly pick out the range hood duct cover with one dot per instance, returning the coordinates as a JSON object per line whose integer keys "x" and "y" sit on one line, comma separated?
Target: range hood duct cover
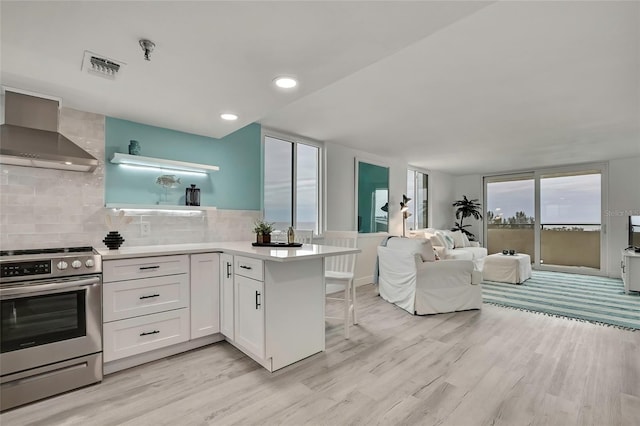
{"x": 30, "y": 136}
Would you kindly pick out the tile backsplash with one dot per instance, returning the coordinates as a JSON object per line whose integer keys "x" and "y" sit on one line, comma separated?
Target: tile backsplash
{"x": 56, "y": 208}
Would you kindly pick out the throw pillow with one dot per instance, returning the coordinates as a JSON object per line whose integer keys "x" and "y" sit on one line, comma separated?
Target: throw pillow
{"x": 449, "y": 244}
{"x": 467, "y": 243}
{"x": 458, "y": 239}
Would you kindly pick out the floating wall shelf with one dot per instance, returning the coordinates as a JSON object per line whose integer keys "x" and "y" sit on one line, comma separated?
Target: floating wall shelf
{"x": 160, "y": 163}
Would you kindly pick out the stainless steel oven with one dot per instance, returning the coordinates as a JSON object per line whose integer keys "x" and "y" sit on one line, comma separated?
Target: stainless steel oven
{"x": 51, "y": 322}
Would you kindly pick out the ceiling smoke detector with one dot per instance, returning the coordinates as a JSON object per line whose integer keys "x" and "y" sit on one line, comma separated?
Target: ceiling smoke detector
{"x": 101, "y": 66}
{"x": 147, "y": 47}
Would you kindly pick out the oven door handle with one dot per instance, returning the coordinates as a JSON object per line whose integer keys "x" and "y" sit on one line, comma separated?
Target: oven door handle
{"x": 39, "y": 288}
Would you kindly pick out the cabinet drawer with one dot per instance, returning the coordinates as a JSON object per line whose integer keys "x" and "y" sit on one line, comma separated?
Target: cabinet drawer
{"x": 144, "y": 267}
{"x": 248, "y": 267}
{"x": 134, "y": 336}
{"x": 127, "y": 299}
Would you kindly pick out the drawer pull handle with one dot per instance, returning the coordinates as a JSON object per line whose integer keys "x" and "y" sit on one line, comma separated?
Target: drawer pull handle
{"x": 149, "y": 297}
{"x": 245, "y": 267}
{"x": 228, "y": 269}
{"x": 258, "y": 304}
{"x": 146, "y": 333}
{"x": 142, "y": 268}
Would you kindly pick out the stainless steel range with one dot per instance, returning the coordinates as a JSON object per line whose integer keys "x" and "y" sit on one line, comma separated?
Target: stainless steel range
{"x": 51, "y": 311}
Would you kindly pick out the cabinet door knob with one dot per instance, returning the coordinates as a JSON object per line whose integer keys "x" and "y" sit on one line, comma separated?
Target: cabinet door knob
{"x": 258, "y": 304}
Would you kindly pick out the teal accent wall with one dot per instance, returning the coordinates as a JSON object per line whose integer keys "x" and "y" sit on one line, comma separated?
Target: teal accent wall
{"x": 237, "y": 185}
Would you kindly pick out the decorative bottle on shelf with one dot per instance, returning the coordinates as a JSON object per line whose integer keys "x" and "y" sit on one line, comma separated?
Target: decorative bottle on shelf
{"x": 291, "y": 236}
{"x": 192, "y": 196}
{"x": 134, "y": 147}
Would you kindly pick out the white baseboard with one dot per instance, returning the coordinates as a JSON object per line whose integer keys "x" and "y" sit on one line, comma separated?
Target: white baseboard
{"x": 364, "y": 280}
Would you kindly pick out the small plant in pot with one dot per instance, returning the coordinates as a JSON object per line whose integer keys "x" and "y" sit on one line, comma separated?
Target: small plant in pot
{"x": 263, "y": 231}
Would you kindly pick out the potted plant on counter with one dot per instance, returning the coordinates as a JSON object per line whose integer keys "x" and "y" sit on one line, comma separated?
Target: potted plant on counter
{"x": 263, "y": 231}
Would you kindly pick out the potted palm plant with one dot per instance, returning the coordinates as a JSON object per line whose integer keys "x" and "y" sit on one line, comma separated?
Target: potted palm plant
{"x": 466, "y": 208}
{"x": 263, "y": 231}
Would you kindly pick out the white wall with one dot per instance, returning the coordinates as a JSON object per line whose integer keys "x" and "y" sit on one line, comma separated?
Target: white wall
{"x": 623, "y": 200}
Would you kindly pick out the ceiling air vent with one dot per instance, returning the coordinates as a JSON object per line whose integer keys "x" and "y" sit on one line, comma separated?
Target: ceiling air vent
{"x": 102, "y": 66}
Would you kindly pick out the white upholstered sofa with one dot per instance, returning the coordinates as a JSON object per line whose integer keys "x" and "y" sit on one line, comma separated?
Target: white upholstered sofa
{"x": 453, "y": 245}
{"x": 411, "y": 278}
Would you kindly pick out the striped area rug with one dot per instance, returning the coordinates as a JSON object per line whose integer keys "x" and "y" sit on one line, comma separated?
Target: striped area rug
{"x": 598, "y": 300}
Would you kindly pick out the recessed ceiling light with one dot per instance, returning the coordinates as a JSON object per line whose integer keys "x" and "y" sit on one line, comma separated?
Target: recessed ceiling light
{"x": 286, "y": 82}
{"x": 228, "y": 116}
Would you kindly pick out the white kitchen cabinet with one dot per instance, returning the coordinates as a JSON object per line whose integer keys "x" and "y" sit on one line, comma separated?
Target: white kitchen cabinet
{"x": 273, "y": 316}
{"x": 226, "y": 296}
{"x": 205, "y": 294}
{"x": 630, "y": 270}
{"x": 145, "y": 304}
{"x": 249, "y": 315}
{"x": 271, "y": 301}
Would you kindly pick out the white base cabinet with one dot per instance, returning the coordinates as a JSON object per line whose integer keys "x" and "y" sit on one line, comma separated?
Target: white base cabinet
{"x": 205, "y": 294}
{"x": 630, "y": 270}
{"x": 269, "y": 303}
{"x": 278, "y": 309}
{"x": 157, "y": 306}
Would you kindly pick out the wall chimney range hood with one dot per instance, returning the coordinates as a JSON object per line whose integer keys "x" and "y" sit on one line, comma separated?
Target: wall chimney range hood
{"x": 29, "y": 137}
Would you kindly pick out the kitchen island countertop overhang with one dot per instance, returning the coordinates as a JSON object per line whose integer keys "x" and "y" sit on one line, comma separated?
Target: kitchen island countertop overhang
{"x": 243, "y": 248}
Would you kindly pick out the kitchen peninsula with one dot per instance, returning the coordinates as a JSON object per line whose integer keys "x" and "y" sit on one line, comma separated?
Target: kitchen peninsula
{"x": 266, "y": 301}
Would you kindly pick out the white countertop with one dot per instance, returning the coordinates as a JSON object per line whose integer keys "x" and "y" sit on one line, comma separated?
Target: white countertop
{"x": 243, "y": 248}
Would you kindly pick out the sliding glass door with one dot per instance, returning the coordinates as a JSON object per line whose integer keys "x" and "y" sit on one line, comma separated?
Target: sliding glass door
{"x": 570, "y": 219}
{"x": 554, "y": 215}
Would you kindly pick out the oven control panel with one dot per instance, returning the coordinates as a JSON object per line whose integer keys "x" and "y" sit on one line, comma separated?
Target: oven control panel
{"x": 22, "y": 269}
{"x": 14, "y": 270}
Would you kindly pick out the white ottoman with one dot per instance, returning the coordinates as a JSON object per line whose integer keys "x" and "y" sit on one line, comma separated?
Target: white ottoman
{"x": 507, "y": 269}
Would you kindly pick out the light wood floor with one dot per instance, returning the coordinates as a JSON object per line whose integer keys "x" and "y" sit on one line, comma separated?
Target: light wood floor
{"x": 492, "y": 367}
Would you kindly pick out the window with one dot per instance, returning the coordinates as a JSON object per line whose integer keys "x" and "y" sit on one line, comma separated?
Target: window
{"x": 292, "y": 184}
{"x": 417, "y": 190}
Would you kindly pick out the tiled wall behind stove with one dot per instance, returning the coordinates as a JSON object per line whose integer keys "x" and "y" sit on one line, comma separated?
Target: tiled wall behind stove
{"x": 56, "y": 208}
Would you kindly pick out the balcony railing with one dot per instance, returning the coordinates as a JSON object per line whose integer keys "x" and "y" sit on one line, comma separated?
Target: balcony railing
{"x": 560, "y": 244}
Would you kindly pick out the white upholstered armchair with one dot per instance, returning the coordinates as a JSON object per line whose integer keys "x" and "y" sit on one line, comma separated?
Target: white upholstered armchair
{"x": 411, "y": 278}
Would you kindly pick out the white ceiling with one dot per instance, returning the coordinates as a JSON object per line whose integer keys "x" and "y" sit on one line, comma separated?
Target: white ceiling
{"x": 461, "y": 87}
